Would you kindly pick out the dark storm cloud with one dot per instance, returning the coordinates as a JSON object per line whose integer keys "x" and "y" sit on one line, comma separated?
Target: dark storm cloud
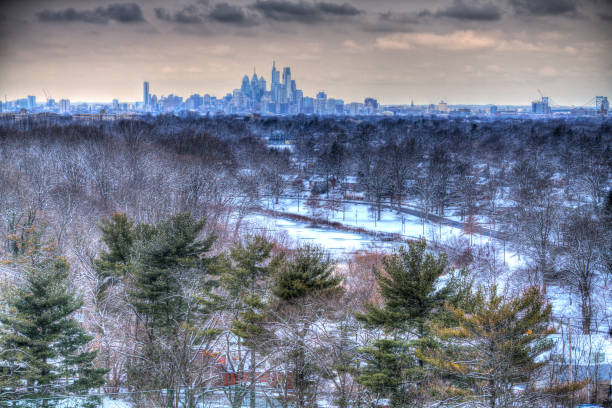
{"x": 227, "y": 14}
{"x": 605, "y": 17}
{"x": 545, "y": 7}
{"x": 188, "y": 15}
{"x": 344, "y": 9}
{"x": 303, "y": 12}
{"x": 458, "y": 10}
{"x": 404, "y": 18}
{"x": 474, "y": 11}
{"x": 120, "y": 12}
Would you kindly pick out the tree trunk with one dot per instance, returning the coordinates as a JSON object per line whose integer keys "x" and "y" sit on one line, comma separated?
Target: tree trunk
{"x": 252, "y": 379}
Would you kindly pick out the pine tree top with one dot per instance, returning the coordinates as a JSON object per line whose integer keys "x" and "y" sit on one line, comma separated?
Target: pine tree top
{"x": 309, "y": 272}
{"x": 407, "y": 284}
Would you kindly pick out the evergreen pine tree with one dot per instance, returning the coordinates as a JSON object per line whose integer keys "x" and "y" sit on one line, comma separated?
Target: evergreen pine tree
{"x": 407, "y": 284}
{"x": 40, "y": 343}
{"x": 299, "y": 282}
{"x": 247, "y": 280}
{"x": 389, "y": 362}
{"x": 170, "y": 281}
{"x": 168, "y": 255}
{"x": 118, "y": 234}
{"x": 309, "y": 272}
{"x": 493, "y": 348}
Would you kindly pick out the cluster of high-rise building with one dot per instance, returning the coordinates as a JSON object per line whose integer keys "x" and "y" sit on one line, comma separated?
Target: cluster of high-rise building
{"x": 282, "y": 97}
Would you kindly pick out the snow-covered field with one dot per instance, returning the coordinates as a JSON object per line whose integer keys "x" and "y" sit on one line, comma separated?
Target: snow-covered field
{"x": 361, "y": 216}
{"x": 340, "y": 243}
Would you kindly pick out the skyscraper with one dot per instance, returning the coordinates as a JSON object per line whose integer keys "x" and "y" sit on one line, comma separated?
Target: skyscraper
{"x": 65, "y": 106}
{"x": 275, "y": 74}
{"x": 287, "y": 84}
{"x": 31, "y": 101}
{"x": 146, "y": 96}
{"x": 275, "y": 84}
{"x": 602, "y": 106}
{"x": 319, "y": 103}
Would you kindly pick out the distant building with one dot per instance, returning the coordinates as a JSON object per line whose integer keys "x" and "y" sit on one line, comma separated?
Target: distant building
{"x": 442, "y": 107}
{"x": 65, "y": 106}
{"x": 354, "y": 108}
{"x": 601, "y": 105}
{"x": 146, "y": 96}
{"x": 320, "y": 103}
{"x": 308, "y": 104}
{"x": 22, "y": 103}
{"x": 540, "y": 107}
{"x": 370, "y": 105}
{"x": 31, "y": 101}
{"x": 287, "y": 85}
{"x": 115, "y": 104}
{"x": 339, "y": 107}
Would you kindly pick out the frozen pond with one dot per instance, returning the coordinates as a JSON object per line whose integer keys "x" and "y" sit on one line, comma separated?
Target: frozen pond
{"x": 337, "y": 242}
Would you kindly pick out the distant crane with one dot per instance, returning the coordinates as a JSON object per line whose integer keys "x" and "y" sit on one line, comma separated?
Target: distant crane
{"x": 551, "y": 103}
{"x": 47, "y": 95}
{"x": 588, "y": 103}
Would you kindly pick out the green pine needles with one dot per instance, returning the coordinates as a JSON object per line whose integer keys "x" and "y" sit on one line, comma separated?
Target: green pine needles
{"x": 42, "y": 346}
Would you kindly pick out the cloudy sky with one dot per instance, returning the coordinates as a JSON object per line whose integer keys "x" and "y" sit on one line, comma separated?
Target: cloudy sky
{"x": 462, "y": 51}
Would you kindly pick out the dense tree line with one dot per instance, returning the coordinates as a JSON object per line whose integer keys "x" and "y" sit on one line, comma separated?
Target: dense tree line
{"x": 165, "y": 309}
{"x": 164, "y": 293}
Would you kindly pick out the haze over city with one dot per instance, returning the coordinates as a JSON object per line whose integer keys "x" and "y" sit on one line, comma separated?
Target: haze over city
{"x": 460, "y": 51}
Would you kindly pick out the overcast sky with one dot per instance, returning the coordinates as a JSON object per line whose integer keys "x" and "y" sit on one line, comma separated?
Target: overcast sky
{"x": 461, "y": 51}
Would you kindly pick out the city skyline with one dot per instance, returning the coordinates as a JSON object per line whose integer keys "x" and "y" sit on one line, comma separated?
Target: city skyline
{"x": 460, "y": 51}
{"x": 283, "y": 97}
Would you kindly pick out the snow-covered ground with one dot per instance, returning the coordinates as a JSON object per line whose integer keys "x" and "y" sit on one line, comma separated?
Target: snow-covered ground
{"x": 110, "y": 403}
{"x": 335, "y": 241}
{"x": 362, "y": 216}
{"x": 340, "y": 242}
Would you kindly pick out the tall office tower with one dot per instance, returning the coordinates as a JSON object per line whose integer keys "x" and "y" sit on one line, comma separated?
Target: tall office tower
{"x": 65, "y": 106}
{"x": 115, "y": 104}
{"x": 246, "y": 86}
{"x": 275, "y": 74}
{"x": 293, "y": 90}
{"x": 287, "y": 83}
{"x": 602, "y": 106}
{"x": 275, "y": 84}
{"x": 0, "y": 106}
{"x": 320, "y": 102}
{"x": 146, "y": 96}
{"x": 31, "y": 101}
{"x": 261, "y": 89}
{"x": 154, "y": 103}
{"x": 254, "y": 86}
